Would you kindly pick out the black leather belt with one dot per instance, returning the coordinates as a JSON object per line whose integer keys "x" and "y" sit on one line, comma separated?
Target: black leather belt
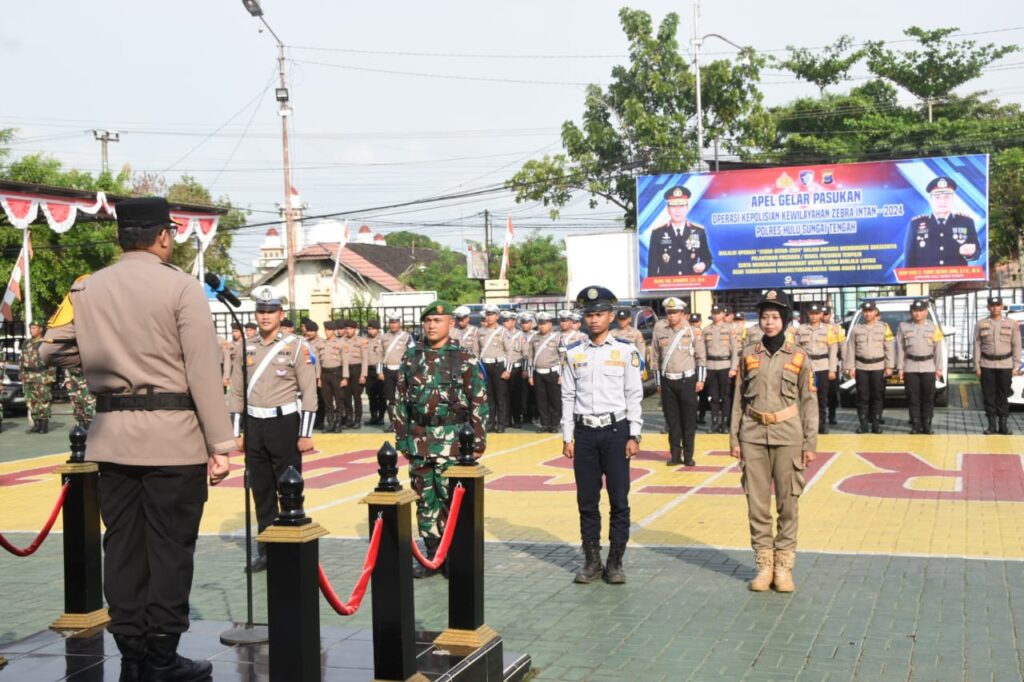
{"x": 921, "y": 358}
{"x": 822, "y": 357}
{"x": 870, "y": 361}
{"x": 997, "y": 357}
{"x": 719, "y": 358}
{"x": 113, "y": 402}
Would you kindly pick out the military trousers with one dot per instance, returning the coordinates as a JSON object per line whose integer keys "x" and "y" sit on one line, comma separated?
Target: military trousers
{"x": 427, "y": 479}
{"x": 38, "y": 396}
{"x": 995, "y": 389}
{"x": 151, "y": 515}
{"x": 870, "y": 394}
{"x": 717, "y": 389}
{"x": 679, "y": 406}
{"x": 824, "y": 386}
{"x": 497, "y": 394}
{"x": 549, "y": 398}
{"x": 600, "y": 457}
{"x": 352, "y": 396}
{"x": 920, "y": 395}
{"x": 763, "y": 467}
{"x": 331, "y": 392}
{"x": 271, "y": 446}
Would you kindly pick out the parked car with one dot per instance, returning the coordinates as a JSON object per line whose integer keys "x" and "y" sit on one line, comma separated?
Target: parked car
{"x": 11, "y": 393}
{"x": 896, "y": 309}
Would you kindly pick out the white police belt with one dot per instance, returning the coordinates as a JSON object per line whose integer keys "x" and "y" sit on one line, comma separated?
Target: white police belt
{"x": 271, "y": 412}
{"x": 543, "y": 370}
{"x": 678, "y": 375}
{"x": 600, "y": 421}
{"x": 491, "y": 361}
{"x": 393, "y": 367}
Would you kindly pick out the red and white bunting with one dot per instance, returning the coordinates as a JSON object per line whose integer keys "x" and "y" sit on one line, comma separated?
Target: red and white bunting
{"x": 509, "y": 238}
{"x": 22, "y": 209}
{"x": 203, "y": 225}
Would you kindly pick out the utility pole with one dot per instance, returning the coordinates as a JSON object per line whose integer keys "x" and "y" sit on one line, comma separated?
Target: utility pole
{"x": 289, "y": 217}
{"x": 696, "y": 67}
{"x": 105, "y": 137}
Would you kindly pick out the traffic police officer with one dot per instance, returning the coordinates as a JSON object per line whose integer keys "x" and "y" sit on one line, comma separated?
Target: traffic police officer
{"x": 833, "y": 386}
{"x": 396, "y": 341}
{"x": 161, "y": 431}
{"x": 996, "y": 362}
{"x": 493, "y": 351}
{"x": 333, "y": 372}
{"x": 919, "y": 353}
{"x": 375, "y": 374}
{"x": 36, "y": 378}
{"x": 528, "y": 407}
{"x": 280, "y": 424}
{"x": 721, "y": 355}
{"x": 544, "y": 367}
{"x": 568, "y": 335}
{"x": 943, "y": 238}
{"x": 869, "y": 353}
{"x": 515, "y": 346}
{"x": 625, "y": 330}
{"x": 819, "y": 340}
{"x": 678, "y": 354}
{"x": 774, "y": 435}
{"x": 355, "y": 349}
{"x": 466, "y": 334}
{"x": 679, "y": 247}
{"x": 601, "y": 424}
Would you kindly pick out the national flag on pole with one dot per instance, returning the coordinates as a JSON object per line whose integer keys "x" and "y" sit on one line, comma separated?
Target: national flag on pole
{"x": 337, "y": 257}
{"x": 509, "y": 238}
{"x": 296, "y": 198}
{"x": 14, "y": 284}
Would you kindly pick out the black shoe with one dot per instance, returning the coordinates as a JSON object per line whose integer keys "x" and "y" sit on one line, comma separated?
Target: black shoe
{"x": 673, "y": 462}
{"x": 259, "y": 564}
{"x": 876, "y": 427}
{"x": 881, "y": 420}
{"x": 832, "y": 421}
{"x": 133, "y": 657}
{"x": 44, "y": 426}
{"x": 35, "y": 426}
{"x": 613, "y": 573}
{"x": 165, "y": 665}
{"x": 419, "y": 570}
{"x": 992, "y": 427}
{"x": 822, "y": 428}
{"x": 499, "y": 429}
{"x": 1004, "y": 427}
{"x": 926, "y": 426}
{"x": 592, "y": 567}
{"x": 863, "y": 428}
{"x": 688, "y": 461}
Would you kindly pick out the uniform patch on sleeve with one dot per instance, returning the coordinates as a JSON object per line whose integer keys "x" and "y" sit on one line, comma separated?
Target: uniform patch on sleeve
{"x": 635, "y": 358}
{"x": 752, "y": 362}
{"x": 65, "y": 313}
{"x": 798, "y": 359}
{"x": 888, "y": 333}
{"x": 937, "y": 336}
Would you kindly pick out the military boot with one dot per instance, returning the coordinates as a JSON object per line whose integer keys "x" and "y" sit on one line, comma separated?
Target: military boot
{"x": 418, "y": 569}
{"x": 1004, "y": 427}
{"x": 914, "y": 427}
{"x": 613, "y": 573}
{"x": 35, "y": 426}
{"x": 926, "y": 425}
{"x": 992, "y": 427}
{"x": 165, "y": 665}
{"x": 44, "y": 425}
{"x": 765, "y": 560}
{"x": 783, "y": 578}
{"x": 133, "y": 657}
{"x": 591, "y": 563}
{"x": 876, "y": 426}
{"x": 863, "y": 419}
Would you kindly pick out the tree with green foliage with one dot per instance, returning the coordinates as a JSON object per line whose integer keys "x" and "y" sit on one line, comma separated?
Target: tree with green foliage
{"x": 412, "y": 240}
{"x": 1006, "y": 205}
{"x": 217, "y": 257}
{"x": 644, "y": 121}
{"x": 830, "y": 67}
{"x": 446, "y": 275}
{"x": 537, "y": 266}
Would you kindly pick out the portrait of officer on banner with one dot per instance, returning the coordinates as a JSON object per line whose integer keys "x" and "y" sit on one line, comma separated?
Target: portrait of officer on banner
{"x": 679, "y": 247}
{"x": 942, "y": 238}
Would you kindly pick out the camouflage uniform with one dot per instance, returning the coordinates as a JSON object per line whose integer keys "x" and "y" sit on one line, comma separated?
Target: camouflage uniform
{"x": 36, "y": 380}
{"x": 437, "y": 391}
{"x": 82, "y": 402}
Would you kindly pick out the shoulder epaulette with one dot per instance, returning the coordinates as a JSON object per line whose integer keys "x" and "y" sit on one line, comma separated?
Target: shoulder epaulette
{"x": 172, "y": 267}
{"x": 622, "y": 340}
{"x": 574, "y": 344}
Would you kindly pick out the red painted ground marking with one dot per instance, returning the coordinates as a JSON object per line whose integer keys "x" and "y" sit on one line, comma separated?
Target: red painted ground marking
{"x": 26, "y": 476}
{"x": 981, "y": 477}
{"x": 328, "y": 471}
{"x": 810, "y": 473}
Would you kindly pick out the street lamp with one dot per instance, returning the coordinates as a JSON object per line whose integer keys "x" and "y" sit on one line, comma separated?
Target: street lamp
{"x": 281, "y": 95}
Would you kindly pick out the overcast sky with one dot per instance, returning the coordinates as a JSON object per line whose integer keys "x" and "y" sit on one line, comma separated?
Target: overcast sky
{"x": 393, "y": 101}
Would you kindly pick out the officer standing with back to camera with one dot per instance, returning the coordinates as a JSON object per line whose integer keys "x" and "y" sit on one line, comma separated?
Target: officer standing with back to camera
{"x": 544, "y": 368}
{"x": 161, "y": 431}
{"x": 822, "y": 346}
{"x": 996, "y": 362}
{"x": 440, "y": 388}
{"x": 280, "y": 424}
{"x": 774, "y": 435}
{"x": 869, "y": 352}
{"x": 919, "y": 353}
{"x": 601, "y": 425}
{"x": 721, "y": 355}
{"x": 678, "y": 355}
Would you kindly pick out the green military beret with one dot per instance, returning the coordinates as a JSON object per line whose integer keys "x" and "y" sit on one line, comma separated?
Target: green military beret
{"x": 37, "y": 322}
{"x": 438, "y": 307}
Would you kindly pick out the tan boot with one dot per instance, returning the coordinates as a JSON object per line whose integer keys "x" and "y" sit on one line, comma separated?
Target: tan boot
{"x": 765, "y": 560}
{"x": 784, "y": 562}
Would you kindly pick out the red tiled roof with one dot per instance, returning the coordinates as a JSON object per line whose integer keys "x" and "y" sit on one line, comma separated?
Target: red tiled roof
{"x": 353, "y": 261}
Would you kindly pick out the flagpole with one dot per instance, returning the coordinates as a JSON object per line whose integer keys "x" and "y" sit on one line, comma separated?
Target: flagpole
{"x": 28, "y": 281}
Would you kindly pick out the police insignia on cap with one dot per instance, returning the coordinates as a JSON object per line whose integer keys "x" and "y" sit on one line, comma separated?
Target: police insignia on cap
{"x": 265, "y": 296}
{"x": 771, "y": 295}
{"x": 942, "y": 184}
{"x": 592, "y": 293}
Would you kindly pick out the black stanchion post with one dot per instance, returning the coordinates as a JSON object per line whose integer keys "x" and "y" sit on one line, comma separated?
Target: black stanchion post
{"x": 83, "y": 563}
{"x": 466, "y": 627}
{"x": 394, "y": 619}
{"x": 293, "y": 587}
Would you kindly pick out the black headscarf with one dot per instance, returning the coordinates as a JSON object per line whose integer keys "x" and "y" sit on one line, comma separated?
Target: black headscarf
{"x": 774, "y": 343}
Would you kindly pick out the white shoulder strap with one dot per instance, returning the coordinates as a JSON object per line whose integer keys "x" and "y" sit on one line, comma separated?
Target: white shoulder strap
{"x": 672, "y": 349}
{"x": 267, "y": 359}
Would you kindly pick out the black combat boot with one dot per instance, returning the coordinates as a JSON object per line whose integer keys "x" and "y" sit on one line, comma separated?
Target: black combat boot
{"x": 35, "y": 426}
{"x": 613, "y": 573}
{"x": 165, "y": 665}
{"x": 876, "y": 426}
{"x": 674, "y": 460}
{"x": 863, "y": 419}
{"x": 822, "y": 426}
{"x": 926, "y": 426}
{"x": 1004, "y": 428}
{"x": 44, "y": 426}
{"x": 992, "y": 427}
{"x": 592, "y": 568}
{"x": 914, "y": 428}
{"x": 418, "y": 569}
{"x": 133, "y": 657}
{"x": 688, "y": 459}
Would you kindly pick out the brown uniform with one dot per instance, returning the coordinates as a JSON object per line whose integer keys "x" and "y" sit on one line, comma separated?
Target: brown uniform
{"x": 822, "y": 348}
{"x": 332, "y": 369}
{"x": 493, "y": 351}
{"x": 634, "y": 336}
{"x": 355, "y": 358}
{"x": 869, "y": 350}
{"x": 774, "y": 420}
{"x": 374, "y": 379}
{"x": 224, "y": 347}
{"x": 721, "y": 354}
{"x": 395, "y": 346}
{"x": 544, "y": 364}
{"x": 468, "y": 338}
{"x": 996, "y": 354}
{"x": 678, "y": 357}
{"x": 919, "y": 352}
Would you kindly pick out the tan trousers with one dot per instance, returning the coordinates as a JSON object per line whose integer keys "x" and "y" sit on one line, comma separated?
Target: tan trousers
{"x": 763, "y": 465}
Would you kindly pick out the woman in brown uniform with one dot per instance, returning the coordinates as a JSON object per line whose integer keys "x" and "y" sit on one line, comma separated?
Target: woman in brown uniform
{"x": 774, "y": 435}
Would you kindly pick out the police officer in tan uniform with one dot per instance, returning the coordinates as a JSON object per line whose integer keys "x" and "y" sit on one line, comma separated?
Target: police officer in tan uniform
{"x": 332, "y": 372}
{"x": 721, "y": 354}
{"x": 355, "y": 358}
{"x": 515, "y": 343}
{"x": 395, "y": 341}
{"x": 280, "y": 425}
{"x": 161, "y": 431}
{"x": 870, "y": 356}
{"x": 462, "y": 331}
{"x": 677, "y": 353}
{"x": 311, "y": 334}
{"x": 493, "y": 351}
{"x": 544, "y": 367}
{"x": 375, "y": 373}
{"x": 625, "y": 330}
{"x": 819, "y": 340}
{"x": 919, "y": 352}
{"x": 774, "y": 435}
{"x": 996, "y": 362}
{"x": 568, "y": 334}
{"x": 833, "y": 386}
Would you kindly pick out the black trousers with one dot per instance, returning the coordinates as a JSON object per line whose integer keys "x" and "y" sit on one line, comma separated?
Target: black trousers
{"x": 870, "y": 394}
{"x": 995, "y": 389}
{"x": 600, "y": 457}
{"x": 497, "y": 393}
{"x": 352, "y": 398}
{"x": 679, "y": 405}
{"x": 331, "y": 392}
{"x": 833, "y": 396}
{"x": 528, "y": 397}
{"x": 390, "y": 388}
{"x": 549, "y": 398}
{"x": 824, "y": 386}
{"x": 920, "y": 395}
{"x": 375, "y": 394}
{"x": 152, "y": 517}
{"x": 271, "y": 446}
{"x": 717, "y": 389}
{"x": 515, "y": 393}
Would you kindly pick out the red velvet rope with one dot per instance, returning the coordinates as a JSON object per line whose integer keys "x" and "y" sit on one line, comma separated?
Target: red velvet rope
{"x": 359, "y": 591}
{"x": 31, "y": 549}
{"x": 446, "y": 539}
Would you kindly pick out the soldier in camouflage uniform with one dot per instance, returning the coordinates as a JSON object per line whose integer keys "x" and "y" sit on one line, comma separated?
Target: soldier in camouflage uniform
{"x": 37, "y": 379}
{"x": 82, "y": 402}
{"x": 440, "y": 387}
